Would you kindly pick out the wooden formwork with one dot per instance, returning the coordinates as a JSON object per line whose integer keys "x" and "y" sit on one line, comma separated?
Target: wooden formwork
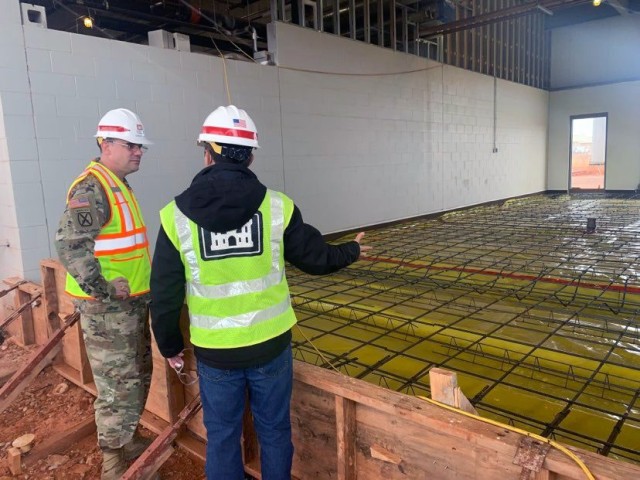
{"x": 343, "y": 428}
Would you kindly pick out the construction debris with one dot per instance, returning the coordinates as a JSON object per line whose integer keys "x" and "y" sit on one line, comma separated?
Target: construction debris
{"x": 24, "y": 442}
{"x": 41, "y": 358}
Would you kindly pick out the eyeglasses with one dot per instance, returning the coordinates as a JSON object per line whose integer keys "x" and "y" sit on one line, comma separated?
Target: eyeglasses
{"x": 131, "y": 146}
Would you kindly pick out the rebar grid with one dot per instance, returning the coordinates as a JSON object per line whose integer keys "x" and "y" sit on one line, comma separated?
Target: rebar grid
{"x": 538, "y": 317}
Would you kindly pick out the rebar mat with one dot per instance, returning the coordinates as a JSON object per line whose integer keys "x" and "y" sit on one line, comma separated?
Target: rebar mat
{"x": 538, "y": 317}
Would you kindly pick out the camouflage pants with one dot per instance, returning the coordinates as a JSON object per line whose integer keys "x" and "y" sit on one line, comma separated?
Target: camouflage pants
{"x": 119, "y": 350}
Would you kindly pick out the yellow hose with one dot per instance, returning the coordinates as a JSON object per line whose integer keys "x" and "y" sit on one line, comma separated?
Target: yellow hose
{"x": 553, "y": 443}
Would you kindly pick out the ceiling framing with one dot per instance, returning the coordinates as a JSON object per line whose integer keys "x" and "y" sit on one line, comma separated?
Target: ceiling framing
{"x": 505, "y": 38}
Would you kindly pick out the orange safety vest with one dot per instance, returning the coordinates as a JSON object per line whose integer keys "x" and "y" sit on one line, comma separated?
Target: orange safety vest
{"x": 121, "y": 247}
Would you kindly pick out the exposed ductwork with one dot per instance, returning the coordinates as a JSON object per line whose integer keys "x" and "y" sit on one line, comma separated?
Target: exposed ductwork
{"x": 131, "y": 20}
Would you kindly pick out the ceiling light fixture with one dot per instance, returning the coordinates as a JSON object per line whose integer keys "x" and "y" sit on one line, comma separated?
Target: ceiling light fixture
{"x": 88, "y": 22}
{"x": 596, "y": 3}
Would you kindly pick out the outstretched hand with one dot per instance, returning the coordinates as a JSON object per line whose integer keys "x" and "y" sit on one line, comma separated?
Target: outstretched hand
{"x": 363, "y": 248}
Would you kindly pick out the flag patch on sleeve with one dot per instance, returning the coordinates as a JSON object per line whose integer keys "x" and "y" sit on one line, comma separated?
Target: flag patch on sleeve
{"x": 79, "y": 202}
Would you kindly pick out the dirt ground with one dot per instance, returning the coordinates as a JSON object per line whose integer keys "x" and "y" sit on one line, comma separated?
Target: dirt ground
{"x": 42, "y": 409}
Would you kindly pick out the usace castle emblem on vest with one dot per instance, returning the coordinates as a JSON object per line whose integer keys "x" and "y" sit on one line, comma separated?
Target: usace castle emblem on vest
{"x": 245, "y": 241}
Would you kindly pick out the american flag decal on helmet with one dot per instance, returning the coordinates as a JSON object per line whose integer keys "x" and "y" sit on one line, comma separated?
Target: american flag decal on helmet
{"x": 239, "y": 123}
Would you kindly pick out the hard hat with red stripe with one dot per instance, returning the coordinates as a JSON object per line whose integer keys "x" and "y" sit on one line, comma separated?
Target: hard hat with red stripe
{"x": 124, "y": 125}
{"x": 229, "y": 125}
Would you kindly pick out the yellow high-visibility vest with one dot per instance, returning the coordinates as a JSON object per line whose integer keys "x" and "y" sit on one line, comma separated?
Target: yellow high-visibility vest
{"x": 236, "y": 288}
{"x": 122, "y": 246}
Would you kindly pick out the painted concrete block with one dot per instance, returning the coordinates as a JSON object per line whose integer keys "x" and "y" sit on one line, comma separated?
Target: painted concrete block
{"x": 169, "y": 59}
{"x": 14, "y": 79}
{"x": 53, "y": 84}
{"x": 34, "y": 237}
{"x": 149, "y": 73}
{"x": 196, "y": 62}
{"x": 26, "y": 171}
{"x": 18, "y": 127}
{"x": 7, "y": 209}
{"x": 38, "y": 60}
{"x": 51, "y": 126}
{"x": 11, "y": 56}
{"x": 96, "y": 87}
{"x": 72, "y": 64}
{"x": 77, "y": 107}
{"x": 16, "y": 103}
{"x": 46, "y": 39}
{"x": 132, "y": 90}
{"x": 167, "y": 93}
{"x": 29, "y": 204}
{"x": 104, "y": 68}
{"x": 22, "y": 150}
{"x": 157, "y": 118}
{"x": 43, "y": 104}
{"x": 87, "y": 46}
{"x": 11, "y": 262}
{"x": 31, "y": 259}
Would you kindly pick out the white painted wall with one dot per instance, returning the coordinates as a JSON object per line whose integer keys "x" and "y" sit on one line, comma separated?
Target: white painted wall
{"x": 601, "y": 51}
{"x": 596, "y": 69}
{"x": 622, "y": 103}
{"x": 350, "y": 150}
{"x": 368, "y": 148}
{"x": 16, "y": 123}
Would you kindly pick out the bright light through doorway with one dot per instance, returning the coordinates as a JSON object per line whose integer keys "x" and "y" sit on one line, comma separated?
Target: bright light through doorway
{"x": 588, "y": 152}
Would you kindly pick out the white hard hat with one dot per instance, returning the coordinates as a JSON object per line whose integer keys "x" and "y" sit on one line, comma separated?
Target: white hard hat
{"x": 123, "y": 124}
{"x": 229, "y": 125}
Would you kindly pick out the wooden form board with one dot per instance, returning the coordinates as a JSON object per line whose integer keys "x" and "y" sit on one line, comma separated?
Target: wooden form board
{"x": 26, "y": 330}
{"x": 348, "y": 429}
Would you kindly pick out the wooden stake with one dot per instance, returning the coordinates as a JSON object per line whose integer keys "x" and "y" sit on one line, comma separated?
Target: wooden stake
{"x": 15, "y": 460}
{"x": 444, "y": 389}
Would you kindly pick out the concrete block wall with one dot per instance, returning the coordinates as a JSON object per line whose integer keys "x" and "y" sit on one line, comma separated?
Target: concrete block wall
{"x": 371, "y": 136}
{"x": 351, "y": 150}
{"x": 16, "y": 145}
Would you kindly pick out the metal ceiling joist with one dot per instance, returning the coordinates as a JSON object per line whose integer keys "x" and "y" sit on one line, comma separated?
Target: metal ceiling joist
{"x": 496, "y": 16}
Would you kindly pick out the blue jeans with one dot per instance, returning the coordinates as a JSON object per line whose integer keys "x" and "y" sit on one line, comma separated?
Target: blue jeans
{"x": 223, "y": 399}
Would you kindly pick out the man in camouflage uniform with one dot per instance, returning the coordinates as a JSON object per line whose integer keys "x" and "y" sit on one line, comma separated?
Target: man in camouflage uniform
{"x": 114, "y": 309}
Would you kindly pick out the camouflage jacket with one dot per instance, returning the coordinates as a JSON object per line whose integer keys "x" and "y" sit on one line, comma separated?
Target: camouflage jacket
{"x": 75, "y": 241}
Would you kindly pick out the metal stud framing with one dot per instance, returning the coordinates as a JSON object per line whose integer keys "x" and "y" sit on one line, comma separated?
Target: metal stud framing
{"x": 515, "y": 49}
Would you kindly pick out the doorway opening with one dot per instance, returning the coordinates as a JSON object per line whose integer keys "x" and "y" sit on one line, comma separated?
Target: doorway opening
{"x": 588, "y": 152}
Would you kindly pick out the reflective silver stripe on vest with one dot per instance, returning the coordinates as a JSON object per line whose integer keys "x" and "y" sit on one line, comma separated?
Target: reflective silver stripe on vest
{"x": 211, "y": 322}
{"x": 196, "y": 289}
{"x": 183, "y": 228}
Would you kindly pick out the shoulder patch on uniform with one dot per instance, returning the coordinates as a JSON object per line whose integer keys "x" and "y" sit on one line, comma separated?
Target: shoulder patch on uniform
{"x": 81, "y": 201}
{"x": 82, "y": 211}
{"x": 246, "y": 241}
{"x": 83, "y": 219}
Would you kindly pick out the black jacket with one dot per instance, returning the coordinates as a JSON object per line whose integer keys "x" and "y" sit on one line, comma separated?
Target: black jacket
{"x": 221, "y": 198}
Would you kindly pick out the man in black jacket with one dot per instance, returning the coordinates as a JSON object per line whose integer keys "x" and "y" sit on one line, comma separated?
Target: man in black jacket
{"x": 225, "y": 239}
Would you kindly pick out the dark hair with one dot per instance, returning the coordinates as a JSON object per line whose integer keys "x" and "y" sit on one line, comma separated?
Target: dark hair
{"x": 237, "y": 154}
